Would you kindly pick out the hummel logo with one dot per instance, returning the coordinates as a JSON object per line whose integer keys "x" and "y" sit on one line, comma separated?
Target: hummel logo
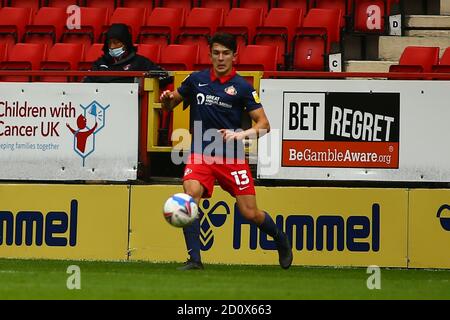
{"x": 202, "y": 84}
{"x": 243, "y": 188}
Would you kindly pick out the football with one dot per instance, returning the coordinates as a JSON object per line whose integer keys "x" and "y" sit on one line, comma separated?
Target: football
{"x": 180, "y": 210}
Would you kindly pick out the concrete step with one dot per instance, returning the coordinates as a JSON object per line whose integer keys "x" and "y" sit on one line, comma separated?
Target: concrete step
{"x": 391, "y": 47}
{"x": 368, "y": 66}
{"x": 441, "y": 22}
{"x": 427, "y": 33}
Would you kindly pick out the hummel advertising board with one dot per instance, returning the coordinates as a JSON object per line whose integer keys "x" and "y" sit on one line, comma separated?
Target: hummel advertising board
{"x": 379, "y": 130}
{"x": 68, "y": 131}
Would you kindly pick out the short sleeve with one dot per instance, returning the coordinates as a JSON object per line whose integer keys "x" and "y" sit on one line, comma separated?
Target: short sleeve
{"x": 185, "y": 89}
{"x": 250, "y": 98}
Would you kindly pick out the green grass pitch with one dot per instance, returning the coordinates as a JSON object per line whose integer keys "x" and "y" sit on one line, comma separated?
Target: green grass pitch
{"x": 44, "y": 279}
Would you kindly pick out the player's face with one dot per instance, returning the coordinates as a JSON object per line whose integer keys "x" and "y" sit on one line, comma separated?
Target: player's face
{"x": 222, "y": 59}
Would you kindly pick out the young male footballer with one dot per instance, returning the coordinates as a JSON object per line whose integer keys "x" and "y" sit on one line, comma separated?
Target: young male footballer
{"x": 218, "y": 97}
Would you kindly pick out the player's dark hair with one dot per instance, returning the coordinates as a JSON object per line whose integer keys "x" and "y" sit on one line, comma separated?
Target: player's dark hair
{"x": 225, "y": 39}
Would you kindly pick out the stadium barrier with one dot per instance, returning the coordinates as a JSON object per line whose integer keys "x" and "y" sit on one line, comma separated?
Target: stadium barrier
{"x": 353, "y": 227}
{"x": 64, "y": 221}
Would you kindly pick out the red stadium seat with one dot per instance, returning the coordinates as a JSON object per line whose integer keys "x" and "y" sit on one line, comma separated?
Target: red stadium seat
{"x": 23, "y": 56}
{"x": 200, "y": 25}
{"x": 148, "y": 4}
{"x": 34, "y": 5}
{"x": 47, "y": 27}
{"x": 258, "y": 58}
{"x": 342, "y": 5}
{"x": 12, "y": 24}
{"x": 133, "y": 17}
{"x": 62, "y": 56}
{"x": 278, "y": 30}
{"x": 323, "y": 22}
{"x": 242, "y": 23}
{"x": 3, "y": 51}
{"x": 150, "y": 51}
{"x": 264, "y": 5}
{"x": 204, "y": 60}
{"x": 109, "y": 4}
{"x": 423, "y": 56}
{"x": 309, "y": 53}
{"x": 92, "y": 53}
{"x": 298, "y": 4}
{"x": 162, "y": 26}
{"x": 92, "y": 22}
{"x": 226, "y": 5}
{"x": 60, "y": 3}
{"x": 445, "y": 59}
{"x": 179, "y": 57}
{"x": 370, "y": 16}
{"x": 186, "y": 5}
{"x": 417, "y": 59}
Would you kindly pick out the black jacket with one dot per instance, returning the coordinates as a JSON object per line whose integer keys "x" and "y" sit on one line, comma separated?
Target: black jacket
{"x": 131, "y": 61}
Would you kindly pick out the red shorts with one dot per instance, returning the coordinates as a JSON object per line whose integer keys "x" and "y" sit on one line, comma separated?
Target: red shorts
{"x": 234, "y": 177}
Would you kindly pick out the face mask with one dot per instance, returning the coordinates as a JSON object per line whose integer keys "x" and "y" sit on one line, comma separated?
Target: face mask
{"x": 116, "y": 52}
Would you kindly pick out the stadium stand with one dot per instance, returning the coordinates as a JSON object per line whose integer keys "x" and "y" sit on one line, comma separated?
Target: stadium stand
{"x": 200, "y": 25}
{"x": 242, "y": 22}
{"x": 150, "y": 51}
{"x": 179, "y": 57}
{"x": 417, "y": 59}
{"x": 92, "y": 53}
{"x": 204, "y": 60}
{"x": 444, "y": 62}
{"x": 137, "y": 4}
{"x": 278, "y": 30}
{"x": 109, "y": 4}
{"x": 47, "y": 27}
{"x": 186, "y": 5}
{"x": 34, "y": 5}
{"x": 23, "y": 56}
{"x": 3, "y": 51}
{"x": 258, "y": 57}
{"x": 12, "y": 24}
{"x": 60, "y": 3}
{"x": 92, "y": 21}
{"x": 341, "y": 5}
{"x": 62, "y": 57}
{"x": 297, "y": 4}
{"x": 308, "y": 53}
{"x": 306, "y": 48}
{"x": 319, "y": 35}
{"x": 162, "y": 26}
{"x": 264, "y": 5}
{"x": 226, "y": 5}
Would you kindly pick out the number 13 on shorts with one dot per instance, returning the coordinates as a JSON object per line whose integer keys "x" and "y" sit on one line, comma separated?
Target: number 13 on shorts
{"x": 240, "y": 177}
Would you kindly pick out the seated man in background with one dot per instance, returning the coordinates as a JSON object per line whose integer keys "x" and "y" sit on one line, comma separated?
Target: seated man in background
{"x": 121, "y": 55}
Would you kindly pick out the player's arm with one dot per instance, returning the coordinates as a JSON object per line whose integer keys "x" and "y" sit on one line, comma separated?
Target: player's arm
{"x": 260, "y": 127}
{"x": 170, "y": 99}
